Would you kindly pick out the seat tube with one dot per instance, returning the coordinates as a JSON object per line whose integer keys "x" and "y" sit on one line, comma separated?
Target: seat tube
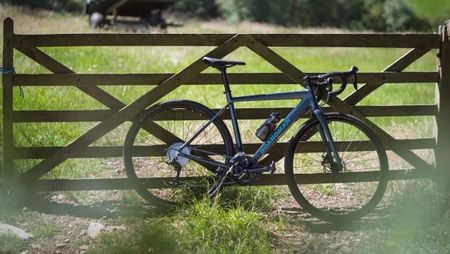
{"x": 234, "y": 122}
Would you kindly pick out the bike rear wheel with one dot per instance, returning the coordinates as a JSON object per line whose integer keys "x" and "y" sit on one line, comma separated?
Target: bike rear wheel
{"x": 152, "y": 141}
{"x": 337, "y": 196}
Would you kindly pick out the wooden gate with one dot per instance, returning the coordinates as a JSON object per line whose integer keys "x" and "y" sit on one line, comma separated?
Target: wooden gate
{"x": 118, "y": 112}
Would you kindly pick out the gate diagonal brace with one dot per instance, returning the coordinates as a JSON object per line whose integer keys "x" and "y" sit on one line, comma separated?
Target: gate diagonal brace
{"x": 129, "y": 111}
{"x": 399, "y": 65}
{"x": 296, "y": 75}
{"x": 94, "y": 91}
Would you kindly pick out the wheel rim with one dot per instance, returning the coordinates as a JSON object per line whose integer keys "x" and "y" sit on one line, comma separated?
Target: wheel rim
{"x": 154, "y": 163}
{"x": 359, "y": 153}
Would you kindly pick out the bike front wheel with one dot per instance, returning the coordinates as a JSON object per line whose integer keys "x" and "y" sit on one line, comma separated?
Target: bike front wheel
{"x": 153, "y": 141}
{"x": 337, "y": 196}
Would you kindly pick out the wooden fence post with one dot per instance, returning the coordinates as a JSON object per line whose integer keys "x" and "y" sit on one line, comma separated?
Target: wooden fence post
{"x": 443, "y": 117}
{"x": 8, "y": 36}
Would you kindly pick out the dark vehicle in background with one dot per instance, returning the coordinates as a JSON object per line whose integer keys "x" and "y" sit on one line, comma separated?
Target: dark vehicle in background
{"x": 145, "y": 12}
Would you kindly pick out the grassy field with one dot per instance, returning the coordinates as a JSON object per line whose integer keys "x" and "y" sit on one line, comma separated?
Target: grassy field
{"x": 243, "y": 220}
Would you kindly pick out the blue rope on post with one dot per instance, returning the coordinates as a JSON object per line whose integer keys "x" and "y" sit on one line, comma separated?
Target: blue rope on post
{"x": 13, "y": 71}
{"x": 7, "y": 70}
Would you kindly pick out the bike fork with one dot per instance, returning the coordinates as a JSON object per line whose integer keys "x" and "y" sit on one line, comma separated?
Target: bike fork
{"x": 328, "y": 139}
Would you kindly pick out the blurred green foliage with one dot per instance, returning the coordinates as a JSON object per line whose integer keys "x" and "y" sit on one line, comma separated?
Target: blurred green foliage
{"x": 60, "y": 5}
{"x": 204, "y": 9}
{"x": 376, "y": 15}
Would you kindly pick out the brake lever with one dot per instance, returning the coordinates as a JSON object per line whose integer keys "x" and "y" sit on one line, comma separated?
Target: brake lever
{"x": 329, "y": 84}
{"x": 355, "y": 82}
{"x": 355, "y": 77}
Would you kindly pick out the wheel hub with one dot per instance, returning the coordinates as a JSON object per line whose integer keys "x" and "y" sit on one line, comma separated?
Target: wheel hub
{"x": 174, "y": 154}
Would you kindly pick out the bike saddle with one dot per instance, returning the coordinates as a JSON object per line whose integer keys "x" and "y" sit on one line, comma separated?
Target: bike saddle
{"x": 220, "y": 63}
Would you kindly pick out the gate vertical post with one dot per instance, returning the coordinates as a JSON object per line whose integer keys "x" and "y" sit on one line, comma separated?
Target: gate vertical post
{"x": 443, "y": 117}
{"x": 7, "y": 79}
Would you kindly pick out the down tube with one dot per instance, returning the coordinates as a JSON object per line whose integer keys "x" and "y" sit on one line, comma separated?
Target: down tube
{"x": 282, "y": 127}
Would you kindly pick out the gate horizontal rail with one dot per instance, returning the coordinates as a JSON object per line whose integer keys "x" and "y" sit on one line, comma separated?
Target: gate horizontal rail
{"x": 37, "y": 116}
{"x": 158, "y": 150}
{"x": 276, "y": 179}
{"x": 409, "y": 40}
{"x": 204, "y": 79}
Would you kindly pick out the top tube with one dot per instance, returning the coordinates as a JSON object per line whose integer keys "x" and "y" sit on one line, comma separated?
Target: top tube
{"x": 271, "y": 96}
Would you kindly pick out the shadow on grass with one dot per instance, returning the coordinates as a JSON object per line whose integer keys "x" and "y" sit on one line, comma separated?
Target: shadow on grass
{"x": 111, "y": 209}
{"x": 299, "y": 217}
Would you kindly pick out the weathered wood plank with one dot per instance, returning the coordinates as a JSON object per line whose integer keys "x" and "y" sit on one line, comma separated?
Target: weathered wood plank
{"x": 388, "y": 40}
{"x": 7, "y": 81}
{"x": 443, "y": 118}
{"x": 399, "y": 65}
{"x": 276, "y": 40}
{"x": 158, "y": 150}
{"x": 210, "y": 78}
{"x": 276, "y": 179}
{"x": 36, "y": 116}
{"x": 52, "y": 40}
{"x": 127, "y": 113}
{"x": 115, "y": 6}
{"x": 396, "y": 174}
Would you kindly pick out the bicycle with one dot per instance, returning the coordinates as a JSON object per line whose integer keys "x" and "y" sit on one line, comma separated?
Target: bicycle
{"x": 188, "y": 138}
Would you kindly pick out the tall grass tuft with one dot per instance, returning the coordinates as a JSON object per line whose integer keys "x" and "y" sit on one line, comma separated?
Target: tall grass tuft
{"x": 211, "y": 228}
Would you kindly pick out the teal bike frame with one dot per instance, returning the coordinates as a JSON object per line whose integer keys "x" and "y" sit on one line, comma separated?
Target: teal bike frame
{"x": 308, "y": 103}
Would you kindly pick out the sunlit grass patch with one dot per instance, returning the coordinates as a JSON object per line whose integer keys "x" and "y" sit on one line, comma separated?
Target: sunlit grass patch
{"x": 258, "y": 199}
{"x": 213, "y": 229}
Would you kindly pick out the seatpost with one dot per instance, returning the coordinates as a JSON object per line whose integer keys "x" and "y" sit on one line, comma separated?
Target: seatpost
{"x": 234, "y": 122}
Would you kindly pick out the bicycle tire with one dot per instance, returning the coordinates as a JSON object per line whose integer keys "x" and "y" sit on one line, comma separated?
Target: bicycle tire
{"x": 318, "y": 199}
{"x": 169, "y": 115}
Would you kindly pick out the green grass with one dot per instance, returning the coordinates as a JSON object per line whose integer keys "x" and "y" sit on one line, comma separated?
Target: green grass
{"x": 45, "y": 229}
{"x": 213, "y": 229}
{"x": 204, "y": 227}
{"x": 10, "y": 244}
{"x": 234, "y": 222}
